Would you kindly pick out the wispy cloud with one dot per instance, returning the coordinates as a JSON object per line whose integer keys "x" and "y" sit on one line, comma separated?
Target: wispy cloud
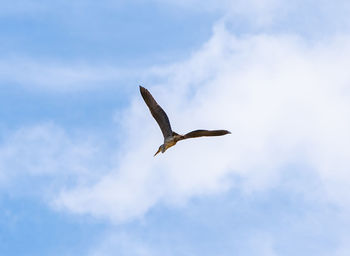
{"x": 61, "y": 77}
{"x": 284, "y": 100}
{"x": 45, "y": 155}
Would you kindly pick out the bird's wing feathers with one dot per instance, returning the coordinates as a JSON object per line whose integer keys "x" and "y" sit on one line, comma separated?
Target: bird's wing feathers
{"x": 200, "y": 133}
{"x": 157, "y": 112}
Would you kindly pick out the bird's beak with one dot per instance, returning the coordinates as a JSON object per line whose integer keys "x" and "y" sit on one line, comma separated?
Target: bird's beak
{"x": 157, "y": 152}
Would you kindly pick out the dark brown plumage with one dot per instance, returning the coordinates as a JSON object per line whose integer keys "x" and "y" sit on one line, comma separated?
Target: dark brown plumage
{"x": 170, "y": 137}
{"x": 157, "y": 112}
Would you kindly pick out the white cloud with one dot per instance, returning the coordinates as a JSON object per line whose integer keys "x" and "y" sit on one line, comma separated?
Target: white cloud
{"x": 60, "y": 77}
{"x": 284, "y": 100}
{"x": 45, "y": 155}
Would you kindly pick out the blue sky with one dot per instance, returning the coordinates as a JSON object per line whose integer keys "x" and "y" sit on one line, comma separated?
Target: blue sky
{"x": 77, "y": 173}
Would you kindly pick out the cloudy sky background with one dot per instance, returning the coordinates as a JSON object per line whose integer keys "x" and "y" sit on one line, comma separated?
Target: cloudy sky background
{"x": 77, "y": 173}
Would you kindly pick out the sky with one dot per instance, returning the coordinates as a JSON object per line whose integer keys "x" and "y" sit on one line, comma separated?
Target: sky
{"x": 77, "y": 172}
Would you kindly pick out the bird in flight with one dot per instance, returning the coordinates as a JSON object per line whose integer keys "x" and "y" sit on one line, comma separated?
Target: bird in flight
{"x": 171, "y": 137}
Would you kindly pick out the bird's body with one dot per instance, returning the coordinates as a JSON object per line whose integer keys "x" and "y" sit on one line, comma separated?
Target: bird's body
{"x": 171, "y": 141}
{"x": 170, "y": 137}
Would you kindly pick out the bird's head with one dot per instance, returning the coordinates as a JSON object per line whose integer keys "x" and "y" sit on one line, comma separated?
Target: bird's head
{"x": 160, "y": 149}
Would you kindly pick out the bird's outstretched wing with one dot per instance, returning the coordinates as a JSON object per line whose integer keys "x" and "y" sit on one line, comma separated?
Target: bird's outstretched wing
{"x": 201, "y": 133}
{"x": 157, "y": 112}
